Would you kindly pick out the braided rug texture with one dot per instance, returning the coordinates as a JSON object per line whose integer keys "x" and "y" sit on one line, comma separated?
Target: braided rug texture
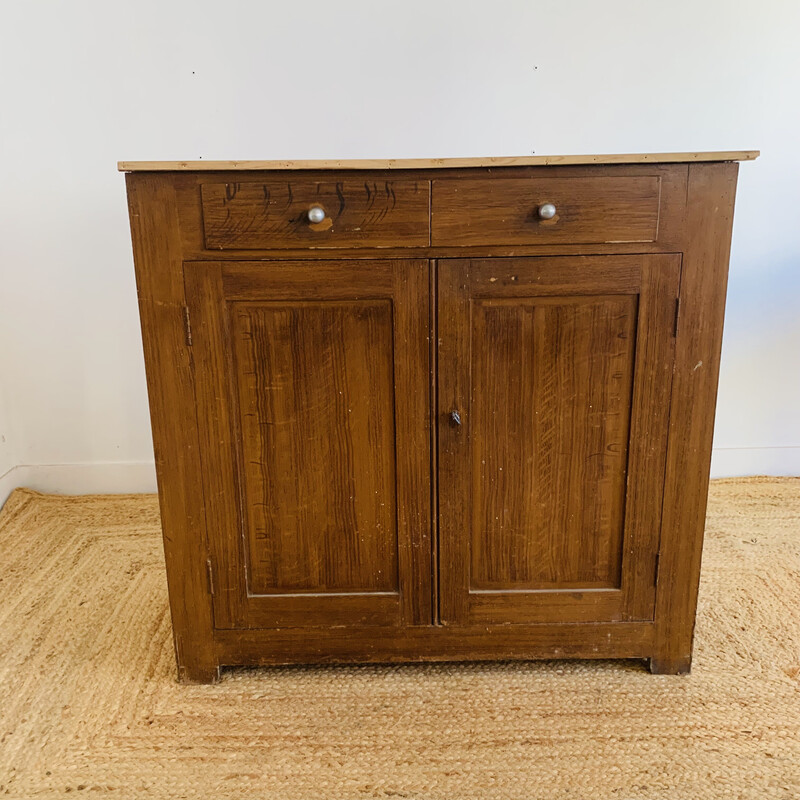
{"x": 89, "y": 705}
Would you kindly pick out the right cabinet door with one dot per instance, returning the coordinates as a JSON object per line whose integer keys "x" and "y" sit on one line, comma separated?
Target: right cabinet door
{"x": 554, "y": 379}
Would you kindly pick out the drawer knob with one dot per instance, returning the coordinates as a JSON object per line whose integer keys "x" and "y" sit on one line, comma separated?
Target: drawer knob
{"x": 455, "y": 418}
{"x": 547, "y": 211}
{"x": 316, "y": 214}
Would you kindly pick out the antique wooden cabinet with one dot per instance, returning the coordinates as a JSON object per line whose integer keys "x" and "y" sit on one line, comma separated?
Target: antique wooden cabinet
{"x": 412, "y": 410}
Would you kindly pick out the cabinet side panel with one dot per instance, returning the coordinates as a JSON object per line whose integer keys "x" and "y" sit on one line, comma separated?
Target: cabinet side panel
{"x": 159, "y": 278}
{"x": 709, "y": 217}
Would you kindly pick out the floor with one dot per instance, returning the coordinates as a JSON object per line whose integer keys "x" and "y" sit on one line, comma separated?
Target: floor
{"x": 89, "y": 705}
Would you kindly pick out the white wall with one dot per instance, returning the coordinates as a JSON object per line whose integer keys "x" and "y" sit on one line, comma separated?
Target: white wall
{"x": 8, "y": 450}
{"x": 89, "y": 82}
{"x": 8, "y": 455}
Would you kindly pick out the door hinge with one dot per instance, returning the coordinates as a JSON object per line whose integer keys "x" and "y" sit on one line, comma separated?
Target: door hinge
{"x": 187, "y": 326}
{"x": 655, "y": 571}
{"x": 677, "y": 316}
{"x": 210, "y": 573}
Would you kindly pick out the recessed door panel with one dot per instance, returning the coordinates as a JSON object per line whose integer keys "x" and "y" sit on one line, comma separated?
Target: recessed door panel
{"x": 551, "y": 401}
{"x": 317, "y": 445}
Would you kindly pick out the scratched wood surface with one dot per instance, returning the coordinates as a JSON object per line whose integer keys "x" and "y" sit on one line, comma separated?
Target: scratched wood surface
{"x": 551, "y": 396}
{"x": 607, "y": 203}
{"x": 593, "y": 210}
{"x": 319, "y": 504}
{"x": 274, "y": 214}
{"x": 155, "y": 232}
{"x": 318, "y": 454}
{"x": 711, "y": 195}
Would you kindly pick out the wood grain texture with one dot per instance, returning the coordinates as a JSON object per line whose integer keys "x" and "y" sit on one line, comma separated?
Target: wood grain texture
{"x": 413, "y": 445}
{"x": 317, "y": 280}
{"x": 319, "y": 504}
{"x": 159, "y": 280}
{"x": 709, "y": 220}
{"x": 433, "y": 163}
{"x": 218, "y": 434}
{"x": 557, "y": 527}
{"x": 505, "y": 210}
{"x": 433, "y": 402}
{"x": 316, "y": 448}
{"x": 319, "y": 476}
{"x": 655, "y": 354}
{"x": 671, "y": 179}
{"x": 274, "y": 214}
{"x": 551, "y": 394}
{"x": 448, "y": 643}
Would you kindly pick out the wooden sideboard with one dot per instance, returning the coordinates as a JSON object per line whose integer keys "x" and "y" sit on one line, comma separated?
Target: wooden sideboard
{"x": 433, "y": 409}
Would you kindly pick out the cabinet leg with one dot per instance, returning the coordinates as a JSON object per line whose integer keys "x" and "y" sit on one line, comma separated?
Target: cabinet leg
{"x": 197, "y": 662}
{"x": 671, "y": 666}
{"x": 198, "y": 674}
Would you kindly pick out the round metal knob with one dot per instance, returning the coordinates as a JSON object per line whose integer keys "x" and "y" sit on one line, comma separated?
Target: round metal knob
{"x": 316, "y": 214}
{"x": 547, "y": 211}
{"x": 455, "y": 417}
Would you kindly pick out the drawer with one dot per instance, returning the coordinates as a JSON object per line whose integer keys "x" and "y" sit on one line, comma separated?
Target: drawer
{"x": 588, "y": 210}
{"x": 275, "y": 214}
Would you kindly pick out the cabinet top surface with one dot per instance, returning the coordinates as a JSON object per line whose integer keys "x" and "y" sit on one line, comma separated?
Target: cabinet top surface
{"x": 440, "y": 163}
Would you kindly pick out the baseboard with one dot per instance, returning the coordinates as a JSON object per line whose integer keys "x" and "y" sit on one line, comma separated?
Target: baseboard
{"x": 103, "y": 477}
{"x": 737, "y": 462}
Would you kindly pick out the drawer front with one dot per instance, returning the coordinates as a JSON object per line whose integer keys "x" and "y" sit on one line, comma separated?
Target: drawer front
{"x": 588, "y": 210}
{"x": 275, "y": 214}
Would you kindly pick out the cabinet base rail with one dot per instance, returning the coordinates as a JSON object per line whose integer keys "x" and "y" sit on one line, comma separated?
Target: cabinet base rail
{"x": 386, "y": 645}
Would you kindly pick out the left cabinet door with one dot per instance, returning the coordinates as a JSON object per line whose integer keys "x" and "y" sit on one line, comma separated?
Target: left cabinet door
{"x": 312, "y": 391}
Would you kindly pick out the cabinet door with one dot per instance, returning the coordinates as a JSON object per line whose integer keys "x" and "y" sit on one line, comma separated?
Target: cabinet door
{"x": 312, "y": 389}
{"x": 553, "y": 405}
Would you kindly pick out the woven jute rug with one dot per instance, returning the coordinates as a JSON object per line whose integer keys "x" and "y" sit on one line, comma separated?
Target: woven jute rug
{"x": 89, "y": 705}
